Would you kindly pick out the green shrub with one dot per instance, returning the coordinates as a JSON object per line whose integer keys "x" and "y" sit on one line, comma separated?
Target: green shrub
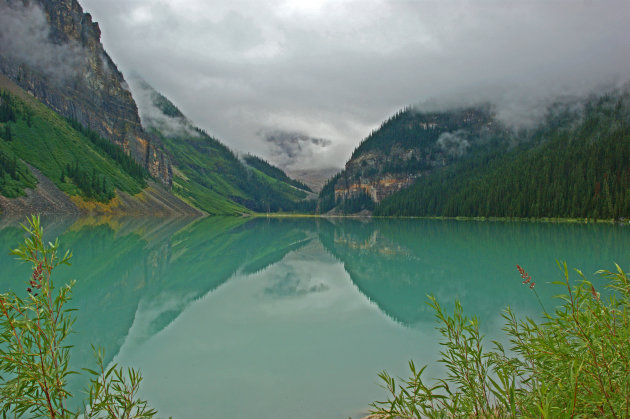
{"x": 575, "y": 363}
{"x": 34, "y": 358}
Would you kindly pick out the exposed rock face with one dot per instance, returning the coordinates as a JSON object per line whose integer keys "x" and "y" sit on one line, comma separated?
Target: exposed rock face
{"x": 52, "y": 49}
{"x": 376, "y": 188}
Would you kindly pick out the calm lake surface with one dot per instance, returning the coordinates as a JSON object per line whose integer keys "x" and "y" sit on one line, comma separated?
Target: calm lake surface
{"x": 236, "y": 318}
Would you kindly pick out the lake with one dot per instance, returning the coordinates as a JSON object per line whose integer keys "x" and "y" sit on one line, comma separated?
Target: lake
{"x": 237, "y": 317}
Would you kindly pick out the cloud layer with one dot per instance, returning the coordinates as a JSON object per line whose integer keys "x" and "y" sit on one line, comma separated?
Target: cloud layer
{"x": 24, "y": 38}
{"x": 336, "y": 69}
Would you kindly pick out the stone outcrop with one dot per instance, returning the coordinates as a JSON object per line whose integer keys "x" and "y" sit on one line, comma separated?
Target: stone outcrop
{"x": 81, "y": 82}
{"x": 376, "y": 188}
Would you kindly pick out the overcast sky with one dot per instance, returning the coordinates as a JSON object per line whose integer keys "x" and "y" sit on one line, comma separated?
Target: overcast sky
{"x": 326, "y": 72}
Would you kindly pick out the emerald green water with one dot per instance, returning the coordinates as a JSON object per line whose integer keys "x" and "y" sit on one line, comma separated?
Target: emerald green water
{"x": 233, "y": 318}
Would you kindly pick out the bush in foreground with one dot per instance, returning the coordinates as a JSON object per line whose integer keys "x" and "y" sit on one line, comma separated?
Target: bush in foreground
{"x": 34, "y": 358}
{"x": 575, "y": 363}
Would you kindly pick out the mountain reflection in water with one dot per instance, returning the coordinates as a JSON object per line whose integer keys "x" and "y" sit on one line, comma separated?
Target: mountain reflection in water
{"x": 293, "y": 316}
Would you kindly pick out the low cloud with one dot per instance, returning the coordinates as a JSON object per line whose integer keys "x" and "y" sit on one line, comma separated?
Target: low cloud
{"x": 152, "y": 116}
{"x": 454, "y": 143}
{"x": 25, "y": 38}
{"x": 338, "y": 69}
{"x": 290, "y": 150}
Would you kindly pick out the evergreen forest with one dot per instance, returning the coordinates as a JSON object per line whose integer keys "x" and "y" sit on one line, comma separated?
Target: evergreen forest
{"x": 576, "y": 165}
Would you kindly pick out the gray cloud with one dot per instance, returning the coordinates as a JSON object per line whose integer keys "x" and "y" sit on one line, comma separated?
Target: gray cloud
{"x": 337, "y": 69}
{"x": 24, "y": 37}
{"x": 292, "y": 285}
{"x": 453, "y": 143}
{"x": 293, "y": 150}
{"x": 152, "y": 116}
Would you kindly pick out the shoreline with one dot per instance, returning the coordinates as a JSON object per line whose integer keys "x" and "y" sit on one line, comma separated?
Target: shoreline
{"x": 554, "y": 220}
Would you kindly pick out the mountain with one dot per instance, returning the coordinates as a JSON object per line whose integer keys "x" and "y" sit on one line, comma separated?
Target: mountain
{"x": 72, "y": 140}
{"x": 575, "y": 165}
{"x": 208, "y": 174}
{"x": 409, "y": 145}
{"x": 273, "y": 171}
{"x": 52, "y": 164}
{"x": 52, "y": 49}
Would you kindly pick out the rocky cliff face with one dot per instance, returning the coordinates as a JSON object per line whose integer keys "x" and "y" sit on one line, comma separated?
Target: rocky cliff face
{"x": 366, "y": 174}
{"x": 407, "y": 146}
{"x": 52, "y": 49}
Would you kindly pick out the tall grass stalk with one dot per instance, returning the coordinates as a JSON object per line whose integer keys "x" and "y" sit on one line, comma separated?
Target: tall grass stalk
{"x": 34, "y": 355}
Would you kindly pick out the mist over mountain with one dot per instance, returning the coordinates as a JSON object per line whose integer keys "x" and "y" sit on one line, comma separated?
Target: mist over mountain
{"x": 73, "y": 139}
{"x": 292, "y": 150}
{"x": 52, "y": 49}
{"x": 573, "y": 162}
{"x": 336, "y": 69}
{"x": 209, "y": 174}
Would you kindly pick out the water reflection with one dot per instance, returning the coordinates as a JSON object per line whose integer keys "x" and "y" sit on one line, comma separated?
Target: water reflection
{"x": 396, "y": 263}
{"x": 293, "y": 314}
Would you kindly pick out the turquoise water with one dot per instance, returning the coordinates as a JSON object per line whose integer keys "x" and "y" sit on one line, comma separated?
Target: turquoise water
{"x": 233, "y": 318}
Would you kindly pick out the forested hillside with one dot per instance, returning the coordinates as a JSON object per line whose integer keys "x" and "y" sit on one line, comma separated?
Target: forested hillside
{"x": 78, "y": 161}
{"x": 409, "y": 145}
{"x": 272, "y": 171}
{"x": 210, "y": 176}
{"x": 576, "y": 164}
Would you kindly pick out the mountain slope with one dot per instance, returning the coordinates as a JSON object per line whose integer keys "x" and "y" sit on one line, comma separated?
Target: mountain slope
{"x": 273, "y": 172}
{"x": 52, "y": 49}
{"x": 208, "y": 174}
{"x": 73, "y": 161}
{"x": 576, "y": 166}
{"x": 100, "y": 154}
{"x": 409, "y": 145}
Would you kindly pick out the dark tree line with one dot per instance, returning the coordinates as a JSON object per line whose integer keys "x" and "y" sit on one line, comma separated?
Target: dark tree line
{"x": 409, "y": 128}
{"x": 274, "y": 172}
{"x": 8, "y": 166}
{"x": 14, "y": 176}
{"x": 7, "y": 108}
{"x": 124, "y": 161}
{"x": 355, "y": 203}
{"x": 92, "y": 185}
{"x": 8, "y": 114}
{"x": 327, "y": 195}
{"x": 265, "y": 197}
{"x": 7, "y": 135}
